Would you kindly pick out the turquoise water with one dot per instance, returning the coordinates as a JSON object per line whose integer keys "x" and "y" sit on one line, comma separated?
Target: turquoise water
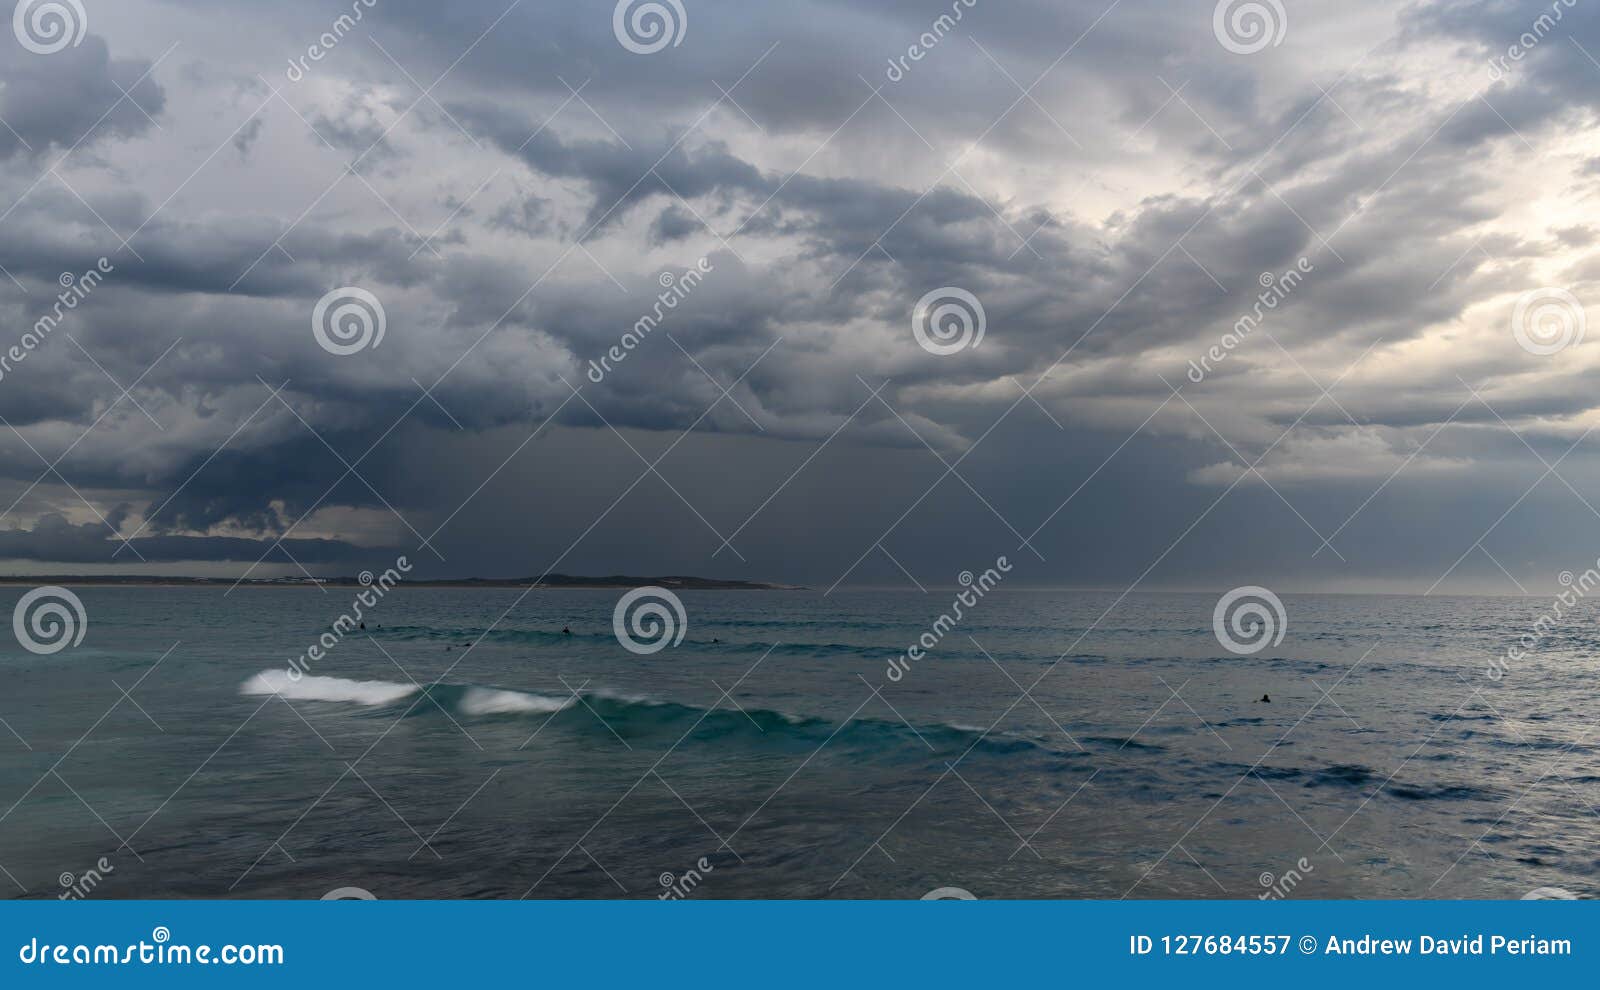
{"x": 554, "y": 765}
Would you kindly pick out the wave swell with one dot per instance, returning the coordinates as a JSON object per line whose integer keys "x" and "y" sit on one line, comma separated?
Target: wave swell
{"x": 632, "y": 716}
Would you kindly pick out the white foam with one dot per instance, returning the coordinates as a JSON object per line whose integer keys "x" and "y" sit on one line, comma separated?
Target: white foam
{"x": 487, "y": 701}
{"x": 309, "y": 688}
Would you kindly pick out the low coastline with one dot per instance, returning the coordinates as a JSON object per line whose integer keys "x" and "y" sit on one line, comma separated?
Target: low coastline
{"x": 552, "y": 582}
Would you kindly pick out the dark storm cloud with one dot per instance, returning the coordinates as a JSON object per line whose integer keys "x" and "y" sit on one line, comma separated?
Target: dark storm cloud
{"x": 517, "y": 221}
{"x": 673, "y": 224}
{"x": 51, "y": 103}
{"x": 612, "y": 170}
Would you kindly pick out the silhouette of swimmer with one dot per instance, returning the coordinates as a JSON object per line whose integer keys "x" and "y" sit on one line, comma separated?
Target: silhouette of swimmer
{"x": 363, "y": 625}
{"x": 1265, "y": 699}
{"x": 565, "y": 631}
{"x": 715, "y": 640}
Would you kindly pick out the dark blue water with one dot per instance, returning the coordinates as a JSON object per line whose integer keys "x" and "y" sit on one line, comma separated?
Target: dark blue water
{"x": 781, "y": 761}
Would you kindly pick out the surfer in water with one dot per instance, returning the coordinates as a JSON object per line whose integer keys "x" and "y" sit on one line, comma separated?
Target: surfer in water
{"x": 1265, "y": 700}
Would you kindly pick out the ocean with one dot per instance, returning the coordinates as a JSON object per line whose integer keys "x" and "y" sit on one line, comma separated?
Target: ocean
{"x": 185, "y": 749}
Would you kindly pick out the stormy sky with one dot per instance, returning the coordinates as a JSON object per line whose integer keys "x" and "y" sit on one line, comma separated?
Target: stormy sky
{"x": 1382, "y": 217}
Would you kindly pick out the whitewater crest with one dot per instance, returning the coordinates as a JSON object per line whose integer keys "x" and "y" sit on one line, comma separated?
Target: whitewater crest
{"x": 491, "y": 701}
{"x": 465, "y": 700}
{"x": 308, "y": 688}
{"x": 628, "y": 714}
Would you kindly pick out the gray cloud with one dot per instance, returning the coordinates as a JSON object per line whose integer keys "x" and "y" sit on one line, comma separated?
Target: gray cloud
{"x": 52, "y": 539}
{"x": 516, "y": 222}
{"x": 78, "y": 96}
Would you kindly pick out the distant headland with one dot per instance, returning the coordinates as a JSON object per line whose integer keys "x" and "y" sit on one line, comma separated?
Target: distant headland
{"x": 552, "y": 581}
